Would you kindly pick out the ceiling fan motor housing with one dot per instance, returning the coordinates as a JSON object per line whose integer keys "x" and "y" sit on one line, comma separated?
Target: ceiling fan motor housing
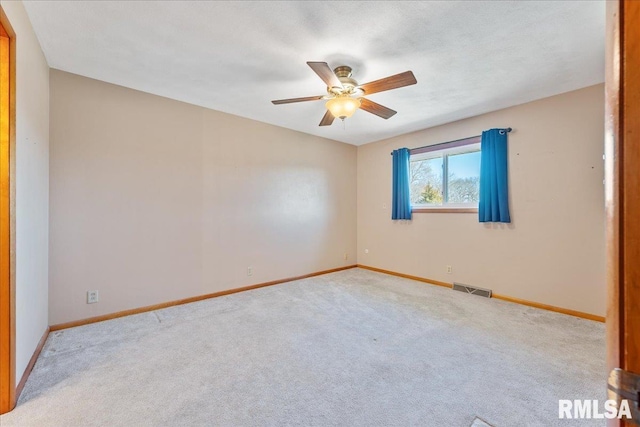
{"x": 349, "y": 85}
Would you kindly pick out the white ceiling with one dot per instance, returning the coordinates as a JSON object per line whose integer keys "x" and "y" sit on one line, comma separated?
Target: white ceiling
{"x": 469, "y": 57}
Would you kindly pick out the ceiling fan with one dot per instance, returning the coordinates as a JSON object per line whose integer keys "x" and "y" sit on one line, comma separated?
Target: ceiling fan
{"x": 344, "y": 94}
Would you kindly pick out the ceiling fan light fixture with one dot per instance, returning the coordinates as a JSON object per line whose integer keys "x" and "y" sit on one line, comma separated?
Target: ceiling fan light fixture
{"x": 343, "y": 107}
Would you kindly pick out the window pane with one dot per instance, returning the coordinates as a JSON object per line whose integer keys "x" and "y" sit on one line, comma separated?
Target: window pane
{"x": 464, "y": 177}
{"x": 426, "y": 181}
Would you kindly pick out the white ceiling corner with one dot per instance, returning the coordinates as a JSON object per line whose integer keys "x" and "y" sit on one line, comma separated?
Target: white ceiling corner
{"x": 469, "y": 57}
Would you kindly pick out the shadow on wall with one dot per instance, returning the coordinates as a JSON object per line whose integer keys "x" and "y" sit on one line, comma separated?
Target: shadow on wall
{"x": 499, "y": 225}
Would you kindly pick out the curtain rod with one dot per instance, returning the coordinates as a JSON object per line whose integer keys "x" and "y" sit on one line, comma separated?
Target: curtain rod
{"x": 454, "y": 141}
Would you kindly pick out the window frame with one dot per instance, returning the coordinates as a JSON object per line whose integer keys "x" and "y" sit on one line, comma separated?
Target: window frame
{"x": 463, "y": 146}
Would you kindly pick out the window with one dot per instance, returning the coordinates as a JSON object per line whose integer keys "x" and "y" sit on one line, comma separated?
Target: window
{"x": 448, "y": 177}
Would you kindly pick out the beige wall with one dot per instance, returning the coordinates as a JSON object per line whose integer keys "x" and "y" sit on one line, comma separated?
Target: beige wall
{"x": 154, "y": 200}
{"x": 32, "y": 186}
{"x": 552, "y": 253}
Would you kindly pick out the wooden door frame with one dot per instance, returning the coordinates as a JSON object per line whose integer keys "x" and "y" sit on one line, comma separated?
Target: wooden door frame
{"x": 7, "y": 218}
{"x": 622, "y": 186}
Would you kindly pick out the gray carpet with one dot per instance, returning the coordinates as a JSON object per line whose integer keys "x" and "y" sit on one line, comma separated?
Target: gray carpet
{"x": 353, "y": 348}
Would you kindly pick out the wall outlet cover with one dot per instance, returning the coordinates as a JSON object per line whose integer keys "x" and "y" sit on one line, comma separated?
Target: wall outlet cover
{"x": 92, "y": 297}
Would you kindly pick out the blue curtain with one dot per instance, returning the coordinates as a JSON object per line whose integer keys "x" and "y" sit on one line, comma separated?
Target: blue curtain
{"x": 401, "y": 200}
{"x": 494, "y": 188}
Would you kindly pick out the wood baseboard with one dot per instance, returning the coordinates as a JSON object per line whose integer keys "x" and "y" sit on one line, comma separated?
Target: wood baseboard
{"x": 407, "y": 276}
{"x": 31, "y": 364}
{"x": 547, "y": 307}
{"x": 187, "y": 300}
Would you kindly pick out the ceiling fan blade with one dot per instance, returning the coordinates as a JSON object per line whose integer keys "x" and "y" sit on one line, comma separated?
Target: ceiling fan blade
{"x": 327, "y": 119}
{"x": 290, "y": 100}
{"x": 393, "y": 82}
{"x": 326, "y": 74}
{"x": 377, "y": 109}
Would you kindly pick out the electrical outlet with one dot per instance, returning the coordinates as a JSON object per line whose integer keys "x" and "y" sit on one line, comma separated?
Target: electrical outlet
{"x": 366, "y": 251}
{"x": 92, "y": 297}
{"x": 449, "y": 269}
{"x": 249, "y": 271}
{"x": 346, "y": 256}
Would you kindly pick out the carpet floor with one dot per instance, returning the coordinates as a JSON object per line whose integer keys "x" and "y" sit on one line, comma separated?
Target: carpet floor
{"x": 352, "y": 348}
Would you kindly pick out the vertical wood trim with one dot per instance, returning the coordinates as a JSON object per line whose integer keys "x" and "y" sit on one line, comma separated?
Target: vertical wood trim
{"x": 7, "y": 215}
{"x": 622, "y": 189}
{"x": 630, "y": 165}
